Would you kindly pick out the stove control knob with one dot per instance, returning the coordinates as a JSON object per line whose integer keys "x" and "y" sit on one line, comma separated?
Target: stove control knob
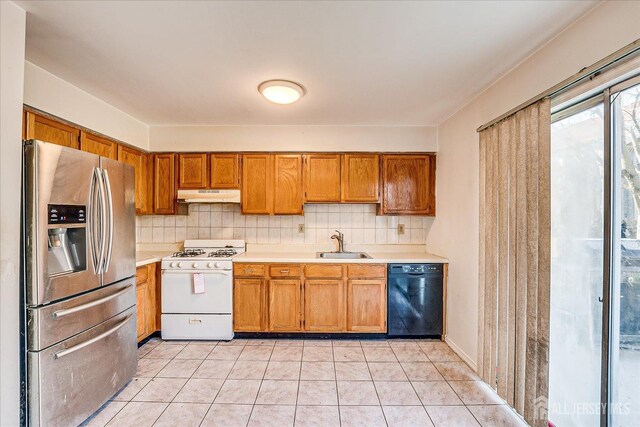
{"x": 173, "y": 264}
{"x": 217, "y": 265}
{"x": 195, "y": 265}
{"x": 210, "y": 265}
{"x": 179, "y": 265}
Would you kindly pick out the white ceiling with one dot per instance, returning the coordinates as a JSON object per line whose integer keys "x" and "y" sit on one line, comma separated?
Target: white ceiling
{"x": 362, "y": 63}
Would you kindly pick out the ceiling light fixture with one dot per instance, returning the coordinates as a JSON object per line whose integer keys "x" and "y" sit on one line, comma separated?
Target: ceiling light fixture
{"x": 281, "y": 91}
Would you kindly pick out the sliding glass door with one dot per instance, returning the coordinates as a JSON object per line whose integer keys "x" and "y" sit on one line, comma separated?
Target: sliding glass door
{"x": 594, "y": 343}
{"x": 624, "y": 335}
{"x": 577, "y": 233}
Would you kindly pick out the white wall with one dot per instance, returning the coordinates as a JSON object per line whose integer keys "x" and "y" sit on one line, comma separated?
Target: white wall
{"x": 53, "y": 95}
{"x": 293, "y": 138}
{"x": 454, "y": 233}
{"x": 12, "y": 43}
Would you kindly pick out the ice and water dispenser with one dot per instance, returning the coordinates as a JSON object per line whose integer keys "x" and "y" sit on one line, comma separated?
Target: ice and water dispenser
{"x": 67, "y": 233}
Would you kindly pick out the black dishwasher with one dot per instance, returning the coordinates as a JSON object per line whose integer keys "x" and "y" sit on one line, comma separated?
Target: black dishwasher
{"x": 415, "y": 300}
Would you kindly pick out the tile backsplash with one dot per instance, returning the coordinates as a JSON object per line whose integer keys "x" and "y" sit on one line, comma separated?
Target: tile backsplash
{"x": 358, "y": 222}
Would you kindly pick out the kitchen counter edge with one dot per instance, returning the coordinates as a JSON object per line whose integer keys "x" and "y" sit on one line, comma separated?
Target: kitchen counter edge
{"x": 307, "y": 258}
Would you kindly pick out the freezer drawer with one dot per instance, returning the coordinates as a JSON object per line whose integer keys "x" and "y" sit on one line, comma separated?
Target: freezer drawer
{"x": 53, "y": 323}
{"x": 71, "y": 380}
{"x": 178, "y": 293}
{"x": 197, "y": 326}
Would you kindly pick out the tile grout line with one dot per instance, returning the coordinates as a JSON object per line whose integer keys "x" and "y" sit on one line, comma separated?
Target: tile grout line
{"x": 413, "y": 387}
{"x": 225, "y": 378}
{"x": 185, "y": 383}
{"x": 125, "y": 403}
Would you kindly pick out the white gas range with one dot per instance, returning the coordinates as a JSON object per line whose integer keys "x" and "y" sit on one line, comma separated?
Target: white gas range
{"x": 197, "y": 290}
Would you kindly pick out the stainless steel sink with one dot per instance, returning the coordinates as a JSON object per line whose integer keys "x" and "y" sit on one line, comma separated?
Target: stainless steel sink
{"x": 343, "y": 255}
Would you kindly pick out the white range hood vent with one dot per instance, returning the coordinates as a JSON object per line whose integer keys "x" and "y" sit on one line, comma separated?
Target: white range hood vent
{"x": 208, "y": 196}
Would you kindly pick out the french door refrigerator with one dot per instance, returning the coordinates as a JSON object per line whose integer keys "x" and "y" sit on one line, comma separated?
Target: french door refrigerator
{"x": 79, "y": 329}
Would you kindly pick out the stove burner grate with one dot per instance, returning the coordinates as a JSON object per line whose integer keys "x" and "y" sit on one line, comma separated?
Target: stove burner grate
{"x": 223, "y": 253}
{"x": 188, "y": 253}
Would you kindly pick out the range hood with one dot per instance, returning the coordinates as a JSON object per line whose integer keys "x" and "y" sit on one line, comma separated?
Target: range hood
{"x": 208, "y": 196}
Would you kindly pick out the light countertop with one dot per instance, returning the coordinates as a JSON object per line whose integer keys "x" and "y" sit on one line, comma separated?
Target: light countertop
{"x": 148, "y": 257}
{"x": 310, "y": 257}
{"x": 408, "y": 254}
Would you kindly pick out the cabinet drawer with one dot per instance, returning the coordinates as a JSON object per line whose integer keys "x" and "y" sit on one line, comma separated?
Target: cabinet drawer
{"x": 366, "y": 270}
{"x": 322, "y": 270}
{"x": 249, "y": 270}
{"x": 142, "y": 274}
{"x": 284, "y": 271}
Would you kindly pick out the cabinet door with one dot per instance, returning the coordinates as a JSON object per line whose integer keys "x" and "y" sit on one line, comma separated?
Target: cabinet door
{"x": 409, "y": 185}
{"x": 193, "y": 171}
{"x": 257, "y": 184}
{"x": 224, "y": 171}
{"x": 151, "y": 326}
{"x": 366, "y": 305}
{"x": 322, "y": 177}
{"x": 47, "y": 130}
{"x": 248, "y": 305}
{"x": 287, "y": 184}
{"x": 97, "y": 145}
{"x": 324, "y": 305}
{"x": 139, "y": 161}
{"x": 164, "y": 184}
{"x": 360, "y": 177}
{"x": 284, "y": 305}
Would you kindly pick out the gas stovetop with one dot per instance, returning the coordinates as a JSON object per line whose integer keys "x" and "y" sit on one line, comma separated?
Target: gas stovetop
{"x": 213, "y": 254}
{"x": 193, "y": 253}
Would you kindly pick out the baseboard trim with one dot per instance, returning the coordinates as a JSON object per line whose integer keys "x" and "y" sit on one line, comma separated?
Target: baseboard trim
{"x": 464, "y": 356}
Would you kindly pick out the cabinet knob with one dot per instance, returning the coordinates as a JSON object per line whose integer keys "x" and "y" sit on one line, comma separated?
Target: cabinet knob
{"x": 284, "y": 271}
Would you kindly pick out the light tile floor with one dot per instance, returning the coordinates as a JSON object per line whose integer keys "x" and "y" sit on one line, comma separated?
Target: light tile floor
{"x": 303, "y": 383}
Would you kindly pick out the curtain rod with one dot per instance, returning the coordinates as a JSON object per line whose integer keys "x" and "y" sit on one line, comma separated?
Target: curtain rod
{"x": 624, "y": 54}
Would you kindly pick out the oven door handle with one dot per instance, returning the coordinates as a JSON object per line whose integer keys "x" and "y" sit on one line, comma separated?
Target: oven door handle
{"x": 83, "y": 344}
{"x": 222, "y": 272}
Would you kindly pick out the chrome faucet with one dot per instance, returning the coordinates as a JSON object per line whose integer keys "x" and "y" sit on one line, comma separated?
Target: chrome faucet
{"x": 340, "y": 238}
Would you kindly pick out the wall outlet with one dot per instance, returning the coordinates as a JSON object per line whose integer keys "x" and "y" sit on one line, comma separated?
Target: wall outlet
{"x": 300, "y": 228}
{"x": 400, "y": 228}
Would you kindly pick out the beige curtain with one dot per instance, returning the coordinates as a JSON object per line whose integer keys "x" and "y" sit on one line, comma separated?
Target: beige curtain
{"x": 513, "y": 351}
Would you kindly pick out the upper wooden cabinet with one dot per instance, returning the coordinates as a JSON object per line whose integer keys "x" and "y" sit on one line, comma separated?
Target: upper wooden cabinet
{"x": 224, "y": 170}
{"x": 98, "y": 145}
{"x": 287, "y": 188}
{"x": 322, "y": 177}
{"x": 140, "y": 163}
{"x": 164, "y": 184}
{"x": 409, "y": 184}
{"x": 257, "y": 184}
{"x": 360, "y": 178}
{"x": 193, "y": 170}
{"x": 47, "y": 130}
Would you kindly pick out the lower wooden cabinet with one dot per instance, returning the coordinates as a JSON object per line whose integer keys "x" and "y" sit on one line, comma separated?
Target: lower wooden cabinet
{"x": 323, "y": 305}
{"x": 249, "y": 305}
{"x": 310, "y": 298}
{"x": 284, "y": 305}
{"x": 367, "y": 305}
{"x": 147, "y": 301}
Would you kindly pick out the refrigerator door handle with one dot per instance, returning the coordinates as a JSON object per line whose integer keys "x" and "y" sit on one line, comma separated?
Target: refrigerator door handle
{"x": 103, "y": 221}
{"x": 83, "y": 344}
{"x": 94, "y": 216}
{"x": 61, "y": 313}
{"x": 109, "y": 208}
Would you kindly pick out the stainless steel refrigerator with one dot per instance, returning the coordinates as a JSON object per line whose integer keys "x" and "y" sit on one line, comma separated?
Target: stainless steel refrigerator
{"x": 79, "y": 275}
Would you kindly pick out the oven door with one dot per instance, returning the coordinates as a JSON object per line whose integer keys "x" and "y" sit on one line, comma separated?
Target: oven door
{"x": 178, "y": 295}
